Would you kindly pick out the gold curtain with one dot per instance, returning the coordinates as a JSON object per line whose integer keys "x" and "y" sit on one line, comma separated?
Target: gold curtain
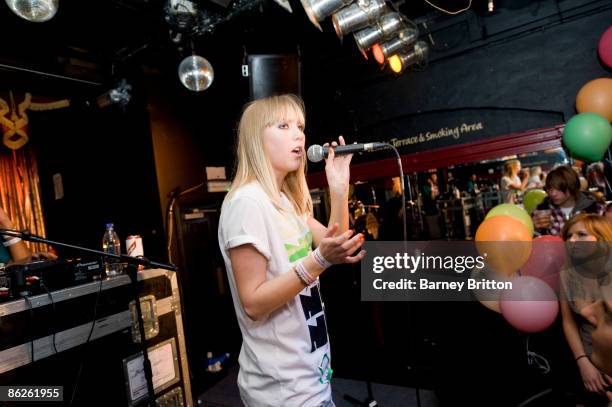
{"x": 20, "y": 191}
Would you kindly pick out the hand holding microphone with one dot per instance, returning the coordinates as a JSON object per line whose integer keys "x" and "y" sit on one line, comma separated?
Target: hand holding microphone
{"x": 336, "y": 167}
{"x": 317, "y": 153}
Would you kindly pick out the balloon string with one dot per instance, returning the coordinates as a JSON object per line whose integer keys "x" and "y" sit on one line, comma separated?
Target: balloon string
{"x": 539, "y": 361}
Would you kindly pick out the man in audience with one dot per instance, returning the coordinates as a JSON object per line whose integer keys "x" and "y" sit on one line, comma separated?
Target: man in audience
{"x": 564, "y": 201}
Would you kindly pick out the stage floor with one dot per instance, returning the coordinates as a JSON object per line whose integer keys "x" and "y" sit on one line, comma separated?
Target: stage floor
{"x": 225, "y": 393}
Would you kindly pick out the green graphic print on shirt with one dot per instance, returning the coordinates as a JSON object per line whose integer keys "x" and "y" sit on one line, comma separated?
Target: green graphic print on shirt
{"x": 301, "y": 249}
{"x": 310, "y": 297}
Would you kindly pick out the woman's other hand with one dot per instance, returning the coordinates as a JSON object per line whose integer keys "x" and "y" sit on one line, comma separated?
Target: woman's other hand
{"x": 591, "y": 376}
{"x": 340, "y": 249}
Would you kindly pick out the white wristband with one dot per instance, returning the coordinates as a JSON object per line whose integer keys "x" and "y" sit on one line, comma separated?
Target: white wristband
{"x": 11, "y": 242}
{"x": 318, "y": 257}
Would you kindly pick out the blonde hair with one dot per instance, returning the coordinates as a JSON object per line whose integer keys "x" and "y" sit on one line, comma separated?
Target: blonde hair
{"x": 509, "y": 166}
{"x": 252, "y": 162}
{"x": 537, "y": 170}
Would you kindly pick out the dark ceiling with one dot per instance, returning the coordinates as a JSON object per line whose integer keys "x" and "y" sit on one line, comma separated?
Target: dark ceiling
{"x": 98, "y": 41}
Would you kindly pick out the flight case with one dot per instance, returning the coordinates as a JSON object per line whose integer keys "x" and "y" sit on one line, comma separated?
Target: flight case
{"x": 50, "y": 340}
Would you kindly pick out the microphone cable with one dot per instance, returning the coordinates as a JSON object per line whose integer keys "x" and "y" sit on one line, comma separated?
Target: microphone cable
{"x": 86, "y": 344}
{"x": 26, "y": 298}
{"x": 173, "y": 197}
{"x": 403, "y": 188}
{"x": 44, "y": 287}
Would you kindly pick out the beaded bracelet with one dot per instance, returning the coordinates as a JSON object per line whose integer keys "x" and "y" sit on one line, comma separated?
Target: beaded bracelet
{"x": 304, "y": 275}
{"x": 322, "y": 261}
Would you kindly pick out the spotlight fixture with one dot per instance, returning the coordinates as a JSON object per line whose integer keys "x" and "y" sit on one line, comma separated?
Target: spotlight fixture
{"x": 121, "y": 95}
{"x": 383, "y": 30}
{"x": 404, "y": 39}
{"x": 182, "y": 16}
{"x": 388, "y": 33}
{"x": 358, "y": 15}
{"x": 417, "y": 54}
{"x": 196, "y": 73}
{"x": 36, "y": 11}
{"x": 317, "y": 10}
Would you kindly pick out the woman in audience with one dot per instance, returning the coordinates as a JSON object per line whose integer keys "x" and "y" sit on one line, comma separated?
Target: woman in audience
{"x": 511, "y": 184}
{"x": 586, "y": 272}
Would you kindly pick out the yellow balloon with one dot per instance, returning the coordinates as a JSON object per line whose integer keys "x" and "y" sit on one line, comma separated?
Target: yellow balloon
{"x": 513, "y": 211}
{"x": 532, "y": 199}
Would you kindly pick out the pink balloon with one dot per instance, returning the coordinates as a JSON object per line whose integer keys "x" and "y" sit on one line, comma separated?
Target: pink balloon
{"x": 553, "y": 281}
{"x": 531, "y": 305}
{"x": 549, "y": 238}
{"x": 546, "y": 260}
{"x": 605, "y": 47}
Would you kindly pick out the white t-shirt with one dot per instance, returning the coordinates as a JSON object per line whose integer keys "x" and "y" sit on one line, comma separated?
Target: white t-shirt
{"x": 567, "y": 212}
{"x": 534, "y": 182}
{"x": 285, "y": 358}
{"x": 509, "y": 194}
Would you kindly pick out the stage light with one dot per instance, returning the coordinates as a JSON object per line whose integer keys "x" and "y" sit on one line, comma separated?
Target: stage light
{"x": 395, "y": 63}
{"x": 317, "y": 10}
{"x": 121, "y": 95}
{"x": 491, "y": 6}
{"x": 358, "y": 15}
{"x": 36, "y": 11}
{"x": 383, "y": 29}
{"x": 196, "y": 73}
{"x": 404, "y": 39}
{"x": 181, "y": 14}
{"x": 417, "y": 54}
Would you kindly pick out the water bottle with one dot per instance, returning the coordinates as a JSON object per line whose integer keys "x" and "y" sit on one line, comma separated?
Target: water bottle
{"x": 111, "y": 245}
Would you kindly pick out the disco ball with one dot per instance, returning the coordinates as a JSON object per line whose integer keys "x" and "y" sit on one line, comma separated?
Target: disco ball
{"x": 36, "y": 11}
{"x": 196, "y": 73}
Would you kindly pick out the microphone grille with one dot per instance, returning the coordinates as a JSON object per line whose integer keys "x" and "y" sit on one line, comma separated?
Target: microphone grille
{"x": 315, "y": 153}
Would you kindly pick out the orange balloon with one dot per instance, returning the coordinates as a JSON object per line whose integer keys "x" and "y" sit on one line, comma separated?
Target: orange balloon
{"x": 504, "y": 242}
{"x": 596, "y": 97}
{"x": 492, "y": 305}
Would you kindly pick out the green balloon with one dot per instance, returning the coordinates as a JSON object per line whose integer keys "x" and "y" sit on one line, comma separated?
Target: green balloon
{"x": 532, "y": 199}
{"x": 588, "y": 136}
{"x": 513, "y": 211}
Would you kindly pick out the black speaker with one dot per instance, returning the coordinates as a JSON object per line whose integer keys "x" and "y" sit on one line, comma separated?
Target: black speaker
{"x": 208, "y": 309}
{"x": 273, "y": 74}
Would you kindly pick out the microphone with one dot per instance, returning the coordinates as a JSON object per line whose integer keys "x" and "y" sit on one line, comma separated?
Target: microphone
{"x": 316, "y": 153}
